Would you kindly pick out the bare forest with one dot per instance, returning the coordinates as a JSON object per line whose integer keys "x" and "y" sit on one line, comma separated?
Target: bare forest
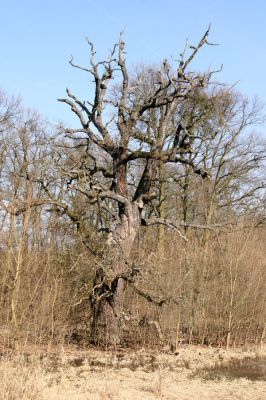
{"x": 143, "y": 224}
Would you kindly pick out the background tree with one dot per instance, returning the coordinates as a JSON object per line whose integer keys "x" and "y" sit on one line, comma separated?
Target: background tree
{"x": 231, "y": 153}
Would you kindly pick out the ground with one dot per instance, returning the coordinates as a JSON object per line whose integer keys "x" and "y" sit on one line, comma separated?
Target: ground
{"x": 74, "y": 374}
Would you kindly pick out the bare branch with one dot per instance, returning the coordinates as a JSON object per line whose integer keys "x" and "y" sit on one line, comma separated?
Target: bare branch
{"x": 165, "y": 222}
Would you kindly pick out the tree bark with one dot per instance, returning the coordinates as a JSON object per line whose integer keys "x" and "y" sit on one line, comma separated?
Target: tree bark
{"x": 109, "y": 285}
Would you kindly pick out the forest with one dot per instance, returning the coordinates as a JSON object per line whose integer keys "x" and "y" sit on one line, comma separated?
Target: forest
{"x": 143, "y": 224}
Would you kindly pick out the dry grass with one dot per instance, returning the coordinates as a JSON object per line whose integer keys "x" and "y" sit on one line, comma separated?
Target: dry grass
{"x": 20, "y": 382}
{"x": 90, "y": 374}
{"x": 167, "y": 377}
{"x": 216, "y": 292}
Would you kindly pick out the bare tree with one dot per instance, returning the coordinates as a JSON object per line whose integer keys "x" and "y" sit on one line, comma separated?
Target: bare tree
{"x": 129, "y": 123}
{"x": 9, "y": 113}
{"x": 232, "y": 154}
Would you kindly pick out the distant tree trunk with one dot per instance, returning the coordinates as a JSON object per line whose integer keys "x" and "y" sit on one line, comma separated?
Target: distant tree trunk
{"x": 185, "y": 197}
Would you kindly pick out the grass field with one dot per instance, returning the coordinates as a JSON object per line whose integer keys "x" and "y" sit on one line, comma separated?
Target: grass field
{"x": 68, "y": 373}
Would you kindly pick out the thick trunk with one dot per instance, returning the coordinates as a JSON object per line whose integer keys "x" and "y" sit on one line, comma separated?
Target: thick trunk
{"x": 109, "y": 285}
{"x": 106, "y": 328}
{"x": 161, "y": 239}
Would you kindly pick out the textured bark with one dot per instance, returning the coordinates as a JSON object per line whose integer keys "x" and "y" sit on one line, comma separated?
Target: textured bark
{"x": 107, "y": 301}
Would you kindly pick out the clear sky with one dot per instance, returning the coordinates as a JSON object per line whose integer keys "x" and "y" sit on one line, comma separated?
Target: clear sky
{"x": 37, "y": 38}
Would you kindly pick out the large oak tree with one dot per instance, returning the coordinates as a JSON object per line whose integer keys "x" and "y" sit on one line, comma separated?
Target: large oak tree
{"x": 132, "y": 120}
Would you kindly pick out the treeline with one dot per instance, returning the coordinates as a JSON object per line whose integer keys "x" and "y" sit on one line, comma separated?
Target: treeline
{"x": 196, "y": 270}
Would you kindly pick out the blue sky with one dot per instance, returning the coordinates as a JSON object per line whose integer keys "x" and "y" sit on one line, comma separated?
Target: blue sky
{"x": 38, "y": 37}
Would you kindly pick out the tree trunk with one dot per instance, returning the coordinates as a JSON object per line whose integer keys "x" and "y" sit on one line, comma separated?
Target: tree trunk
{"x": 109, "y": 285}
{"x": 161, "y": 228}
